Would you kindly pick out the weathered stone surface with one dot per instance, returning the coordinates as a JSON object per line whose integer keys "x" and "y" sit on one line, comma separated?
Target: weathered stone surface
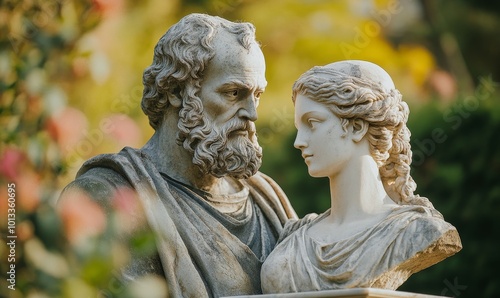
{"x": 351, "y": 128}
{"x": 215, "y": 217}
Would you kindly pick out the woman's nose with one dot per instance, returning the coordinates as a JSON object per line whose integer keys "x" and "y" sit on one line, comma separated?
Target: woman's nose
{"x": 300, "y": 142}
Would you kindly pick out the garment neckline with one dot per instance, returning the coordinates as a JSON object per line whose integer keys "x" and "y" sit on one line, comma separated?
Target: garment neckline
{"x": 238, "y": 211}
{"x": 398, "y": 209}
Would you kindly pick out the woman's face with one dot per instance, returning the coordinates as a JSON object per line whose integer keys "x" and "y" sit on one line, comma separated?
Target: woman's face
{"x": 326, "y": 147}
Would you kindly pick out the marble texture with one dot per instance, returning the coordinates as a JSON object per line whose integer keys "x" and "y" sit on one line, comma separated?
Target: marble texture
{"x": 351, "y": 128}
{"x": 383, "y": 256}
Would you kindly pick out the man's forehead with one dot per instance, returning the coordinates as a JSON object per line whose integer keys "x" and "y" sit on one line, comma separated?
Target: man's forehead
{"x": 236, "y": 63}
{"x": 224, "y": 39}
{"x": 226, "y": 45}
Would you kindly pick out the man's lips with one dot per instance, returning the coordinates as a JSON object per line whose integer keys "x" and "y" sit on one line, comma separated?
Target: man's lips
{"x": 244, "y": 130}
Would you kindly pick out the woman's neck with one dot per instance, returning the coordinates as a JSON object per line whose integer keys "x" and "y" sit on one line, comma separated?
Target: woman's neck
{"x": 357, "y": 192}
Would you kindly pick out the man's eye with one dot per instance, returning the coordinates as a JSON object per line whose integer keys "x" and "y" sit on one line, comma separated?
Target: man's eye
{"x": 258, "y": 94}
{"x": 232, "y": 93}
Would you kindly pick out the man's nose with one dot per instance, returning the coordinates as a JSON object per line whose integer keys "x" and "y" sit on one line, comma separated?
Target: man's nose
{"x": 248, "y": 111}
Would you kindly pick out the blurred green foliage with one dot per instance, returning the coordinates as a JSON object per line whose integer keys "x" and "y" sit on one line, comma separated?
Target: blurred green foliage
{"x": 461, "y": 178}
{"x": 68, "y": 68}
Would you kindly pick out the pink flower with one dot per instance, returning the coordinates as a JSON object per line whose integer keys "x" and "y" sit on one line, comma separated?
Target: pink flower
{"x": 82, "y": 217}
{"x": 67, "y": 128}
{"x": 128, "y": 208}
{"x": 29, "y": 190}
{"x": 443, "y": 84}
{"x": 10, "y": 163}
{"x": 109, "y": 8}
{"x": 125, "y": 131}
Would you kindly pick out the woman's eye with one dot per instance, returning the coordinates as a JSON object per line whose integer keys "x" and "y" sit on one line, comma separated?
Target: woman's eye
{"x": 312, "y": 122}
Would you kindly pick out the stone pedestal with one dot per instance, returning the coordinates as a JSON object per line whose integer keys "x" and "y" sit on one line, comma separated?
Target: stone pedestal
{"x": 346, "y": 293}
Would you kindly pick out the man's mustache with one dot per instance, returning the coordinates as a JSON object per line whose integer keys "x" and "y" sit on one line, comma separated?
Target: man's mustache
{"x": 237, "y": 125}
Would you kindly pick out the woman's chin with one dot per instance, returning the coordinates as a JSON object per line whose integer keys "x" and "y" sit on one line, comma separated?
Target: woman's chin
{"x": 315, "y": 174}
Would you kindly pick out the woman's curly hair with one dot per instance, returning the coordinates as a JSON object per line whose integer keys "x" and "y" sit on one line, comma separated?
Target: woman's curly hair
{"x": 351, "y": 98}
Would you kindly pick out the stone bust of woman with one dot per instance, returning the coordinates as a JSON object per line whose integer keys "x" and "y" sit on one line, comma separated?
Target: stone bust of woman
{"x": 351, "y": 128}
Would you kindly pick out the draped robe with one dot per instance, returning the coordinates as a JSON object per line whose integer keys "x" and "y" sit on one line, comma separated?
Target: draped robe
{"x": 201, "y": 251}
{"x": 409, "y": 239}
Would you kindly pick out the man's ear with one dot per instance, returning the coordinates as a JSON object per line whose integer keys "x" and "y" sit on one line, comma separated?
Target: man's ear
{"x": 174, "y": 97}
{"x": 359, "y": 129}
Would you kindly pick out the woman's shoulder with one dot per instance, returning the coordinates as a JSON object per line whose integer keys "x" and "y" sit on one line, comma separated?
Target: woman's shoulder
{"x": 423, "y": 220}
{"x": 426, "y": 232}
{"x": 293, "y": 225}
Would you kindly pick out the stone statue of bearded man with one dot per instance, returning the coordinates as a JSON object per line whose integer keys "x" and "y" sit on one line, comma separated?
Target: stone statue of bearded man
{"x": 215, "y": 217}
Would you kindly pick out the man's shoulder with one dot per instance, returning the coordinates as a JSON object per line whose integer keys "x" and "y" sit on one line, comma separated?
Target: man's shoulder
{"x": 99, "y": 184}
{"x": 99, "y": 177}
{"x": 265, "y": 184}
{"x": 105, "y": 173}
{"x": 272, "y": 193}
{"x": 261, "y": 178}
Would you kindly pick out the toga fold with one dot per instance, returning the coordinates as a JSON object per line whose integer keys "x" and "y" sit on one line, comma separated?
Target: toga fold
{"x": 201, "y": 251}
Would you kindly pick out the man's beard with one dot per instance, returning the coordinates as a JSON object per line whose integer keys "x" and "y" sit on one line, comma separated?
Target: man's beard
{"x": 226, "y": 150}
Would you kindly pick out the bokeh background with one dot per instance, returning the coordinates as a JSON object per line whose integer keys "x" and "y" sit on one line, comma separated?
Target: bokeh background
{"x": 70, "y": 88}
